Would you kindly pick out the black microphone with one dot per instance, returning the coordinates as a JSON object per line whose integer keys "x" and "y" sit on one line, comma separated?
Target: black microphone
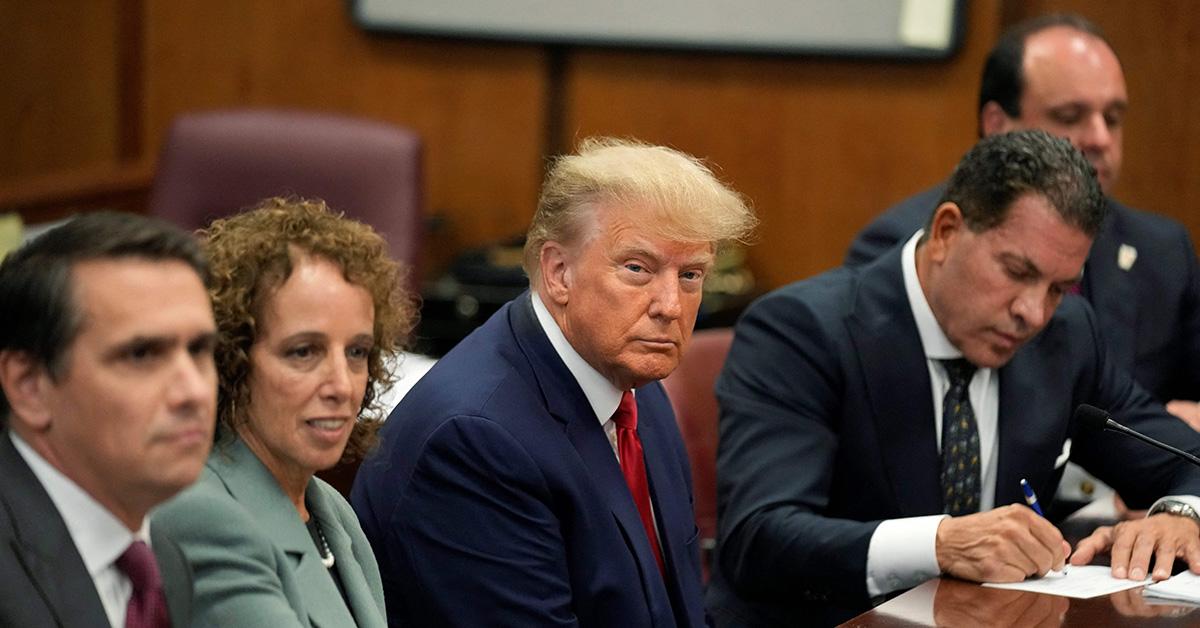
{"x": 1094, "y": 418}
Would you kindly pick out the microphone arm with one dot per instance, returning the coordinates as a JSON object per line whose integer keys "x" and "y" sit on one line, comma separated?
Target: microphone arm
{"x": 1097, "y": 419}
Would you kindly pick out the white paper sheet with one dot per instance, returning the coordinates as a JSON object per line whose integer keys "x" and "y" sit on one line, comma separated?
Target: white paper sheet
{"x": 1183, "y": 586}
{"x": 1078, "y": 582}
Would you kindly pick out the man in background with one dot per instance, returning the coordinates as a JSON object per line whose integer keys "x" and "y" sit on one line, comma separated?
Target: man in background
{"x": 1058, "y": 73}
{"x": 106, "y": 341}
{"x": 535, "y": 476}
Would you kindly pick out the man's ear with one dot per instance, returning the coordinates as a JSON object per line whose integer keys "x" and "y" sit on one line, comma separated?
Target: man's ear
{"x": 555, "y": 264}
{"x": 947, "y": 225}
{"x": 26, "y": 383}
{"x": 993, "y": 120}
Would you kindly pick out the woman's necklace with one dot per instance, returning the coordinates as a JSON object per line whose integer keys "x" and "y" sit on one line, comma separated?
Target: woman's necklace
{"x": 323, "y": 548}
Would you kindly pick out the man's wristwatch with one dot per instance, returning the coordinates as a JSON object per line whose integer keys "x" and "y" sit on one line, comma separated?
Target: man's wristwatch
{"x": 1173, "y": 507}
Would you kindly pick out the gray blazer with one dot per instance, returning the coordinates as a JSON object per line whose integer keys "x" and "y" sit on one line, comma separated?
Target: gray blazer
{"x": 45, "y": 582}
{"x": 254, "y": 561}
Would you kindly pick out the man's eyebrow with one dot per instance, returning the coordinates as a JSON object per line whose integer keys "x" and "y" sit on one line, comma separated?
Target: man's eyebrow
{"x": 1031, "y": 269}
{"x": 141, "y": 342}
{"x": 206, "y": 339}
{"x": 637, "y": 251}
{"x": 1026, "y": 264}
{"x": 700, "y": 259}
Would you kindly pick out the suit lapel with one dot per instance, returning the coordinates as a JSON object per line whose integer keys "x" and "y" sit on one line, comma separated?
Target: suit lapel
{"x": 566, "y": 402}
{"x": 886, "y": 340}
{"x": 1111, "y": 290}
{"x": 176, "y": 577}
{"x": 672, "y": 511}
{"x": 358, "y": 591}
{"x": 253, "y": 486}
{"x": 44, "y": 547}
{"x": 664, "y": 493}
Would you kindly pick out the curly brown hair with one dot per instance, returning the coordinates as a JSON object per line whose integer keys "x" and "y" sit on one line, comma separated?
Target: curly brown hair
{"x": 252, "y": 254}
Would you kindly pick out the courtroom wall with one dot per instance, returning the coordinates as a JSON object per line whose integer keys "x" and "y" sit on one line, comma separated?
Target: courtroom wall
{"x": 819, "y": 144}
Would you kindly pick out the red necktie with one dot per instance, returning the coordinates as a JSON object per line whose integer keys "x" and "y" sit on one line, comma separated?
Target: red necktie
{"x": 147, "y": 606}
{"x": 633, "y": 467}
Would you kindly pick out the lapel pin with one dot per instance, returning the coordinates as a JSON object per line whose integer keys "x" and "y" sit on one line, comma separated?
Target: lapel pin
{"x": 1126, "y": 256}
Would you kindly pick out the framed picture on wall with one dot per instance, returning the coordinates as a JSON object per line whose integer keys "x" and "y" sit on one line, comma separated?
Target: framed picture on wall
{"x": 862, "y": 28}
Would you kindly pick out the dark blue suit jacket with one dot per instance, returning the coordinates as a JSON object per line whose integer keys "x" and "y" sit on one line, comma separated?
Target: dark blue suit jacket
{"x": 827, "y": 429}
{"x": 1150, "y": 313}
{"x": 495, "y": 498}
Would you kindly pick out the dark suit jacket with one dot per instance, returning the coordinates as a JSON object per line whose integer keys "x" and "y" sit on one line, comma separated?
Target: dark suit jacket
{"x": 43, "y": 581}
{"x": 1150, "y": 313}
{"x": 827, "y": 429}
{"x": 495, "y": 498}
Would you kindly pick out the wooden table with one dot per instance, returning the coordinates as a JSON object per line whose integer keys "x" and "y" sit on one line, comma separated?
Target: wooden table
{"x": 950, "y": 602}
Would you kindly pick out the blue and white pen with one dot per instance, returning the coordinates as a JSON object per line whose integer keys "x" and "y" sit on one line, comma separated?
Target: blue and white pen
{"x": 1031, "y": 498}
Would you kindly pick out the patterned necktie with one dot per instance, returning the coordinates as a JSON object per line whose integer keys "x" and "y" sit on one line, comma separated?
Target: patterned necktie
{"x": 148, "y": 605}
{"x": 960, "y": 442}
{"x": 633, "y": 467}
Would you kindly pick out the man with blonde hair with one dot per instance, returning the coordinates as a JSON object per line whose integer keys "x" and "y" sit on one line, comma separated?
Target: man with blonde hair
{"x": 536, "y": 476}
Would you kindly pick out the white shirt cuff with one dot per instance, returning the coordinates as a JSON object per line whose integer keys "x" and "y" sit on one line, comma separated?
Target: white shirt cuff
{"x": 902, "y": 554}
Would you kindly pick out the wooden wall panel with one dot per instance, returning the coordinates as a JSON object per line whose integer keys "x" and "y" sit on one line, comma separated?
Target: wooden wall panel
{"x": 1159, "y": 46}
{"x": 58, "y": 86}
{"x": 479, "y": 107}
{"x": 819, "y": 145}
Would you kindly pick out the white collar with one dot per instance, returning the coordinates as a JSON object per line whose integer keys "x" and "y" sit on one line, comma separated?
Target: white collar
{"x": 933, "y": 340}
{"x": 99, "y": 536}
{"x": 601, "y": 394}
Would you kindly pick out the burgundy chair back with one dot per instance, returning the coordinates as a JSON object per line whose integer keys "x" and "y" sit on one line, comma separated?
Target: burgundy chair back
{"x": 215, "y": 163}
{"x": 690, "y": 389}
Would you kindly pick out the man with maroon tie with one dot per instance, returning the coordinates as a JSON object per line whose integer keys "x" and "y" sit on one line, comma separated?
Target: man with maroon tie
{"x": 109, "y": 390}
{"x": 535, "y": 476}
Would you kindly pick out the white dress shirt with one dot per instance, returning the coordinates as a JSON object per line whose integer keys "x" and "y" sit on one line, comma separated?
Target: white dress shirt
{"x": 903, "y": 552}
{"x": 99, "y": 536}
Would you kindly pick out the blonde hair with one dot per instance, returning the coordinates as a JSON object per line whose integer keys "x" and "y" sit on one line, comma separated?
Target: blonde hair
{"x": 670, "y": 194}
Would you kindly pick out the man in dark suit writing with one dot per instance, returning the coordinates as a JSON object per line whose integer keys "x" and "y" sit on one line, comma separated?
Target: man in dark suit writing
{"x": 1058, "y": 73}
{"x": 535, "y": 476}
{"x": 106, "y": 340}
{"x": 876, "y": 422}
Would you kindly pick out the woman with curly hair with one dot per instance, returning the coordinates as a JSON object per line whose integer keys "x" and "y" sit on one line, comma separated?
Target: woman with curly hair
{"x": 308, "y": 305}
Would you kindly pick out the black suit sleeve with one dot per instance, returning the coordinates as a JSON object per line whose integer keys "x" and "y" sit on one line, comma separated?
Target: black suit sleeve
{"x": 780, "y": 394}
{"x": 873, "y": 241}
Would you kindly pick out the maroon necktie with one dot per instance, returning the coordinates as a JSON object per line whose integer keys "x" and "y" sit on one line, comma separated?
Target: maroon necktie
{"x": 633, "y": 467}
{"x": 147, "y": 606}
